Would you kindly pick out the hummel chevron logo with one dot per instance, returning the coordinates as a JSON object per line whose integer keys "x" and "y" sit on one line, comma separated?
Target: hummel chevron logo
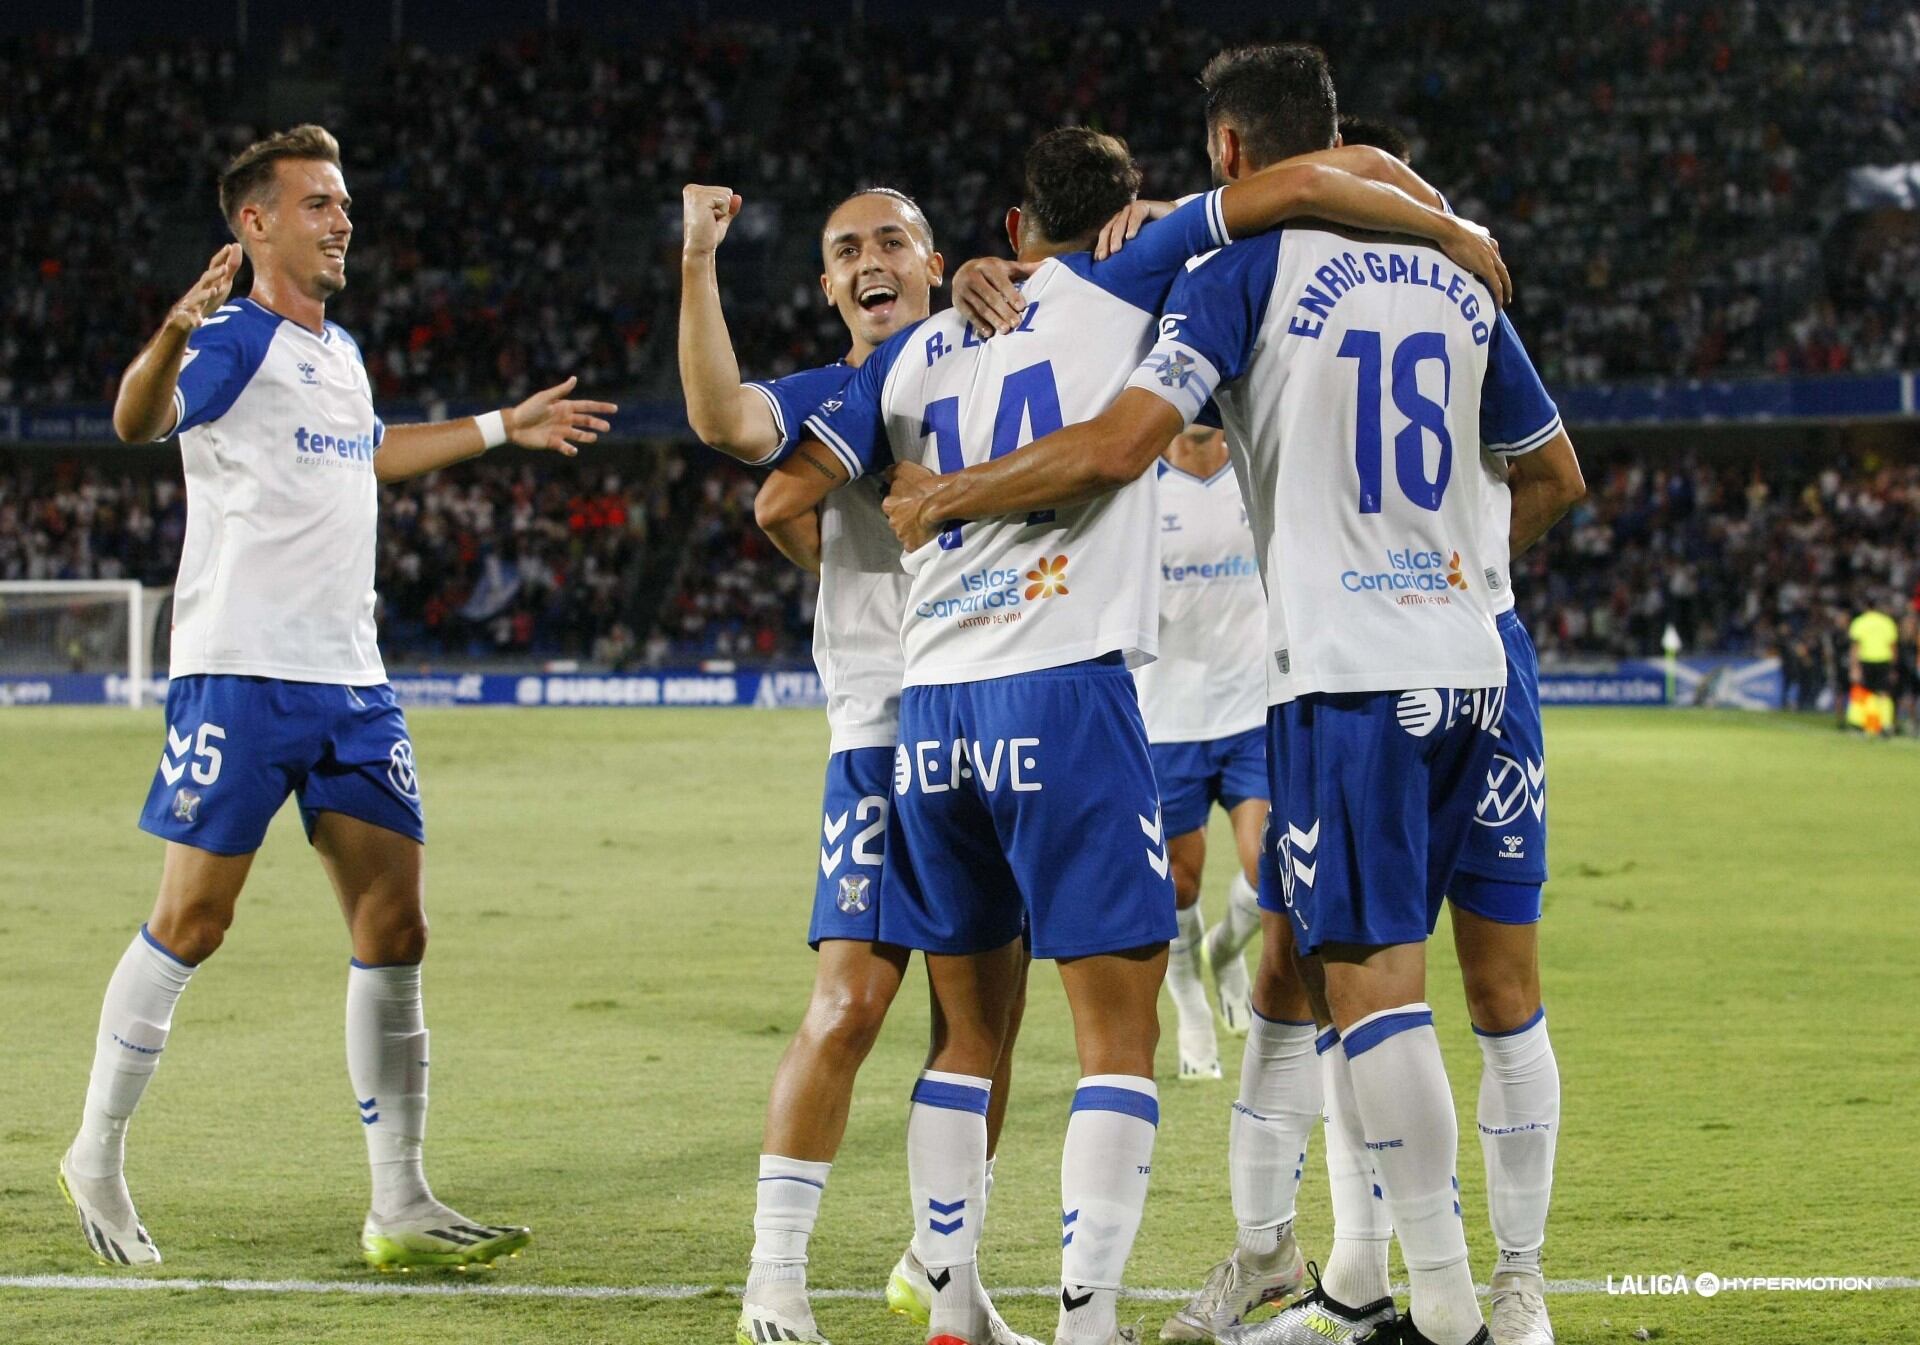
{"x": 833, "y": 828}
{"x": 176, "y": 747}
{"x": 1072, "y": 1304}
{"x": 1156, "y": 843}
{"x": 367, "y": 1113}
{"x": 942, "y": 1280}
{"x": 951, "y": 1226}
{"x": 1304, "y": 843}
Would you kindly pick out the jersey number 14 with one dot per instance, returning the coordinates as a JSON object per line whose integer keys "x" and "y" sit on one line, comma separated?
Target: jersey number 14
{"x": 1028, "y": 397}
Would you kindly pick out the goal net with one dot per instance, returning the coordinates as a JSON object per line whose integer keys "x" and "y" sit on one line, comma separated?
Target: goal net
{"x": 105, "y": 627}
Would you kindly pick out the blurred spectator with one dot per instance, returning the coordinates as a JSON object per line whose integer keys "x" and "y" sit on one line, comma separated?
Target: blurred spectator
{"x": 1659, "y": 174}
{"x": 530, "y": 560}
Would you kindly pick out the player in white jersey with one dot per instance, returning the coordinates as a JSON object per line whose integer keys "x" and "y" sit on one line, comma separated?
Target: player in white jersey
{"x": 1347, "y": 366}
{"x": 1204, "y": 700}
{"x": 277, "y": 685}
{"x": 1494, "y": 901}
{"x": 1024, "y": 798}
{"x": 879, "y": 271}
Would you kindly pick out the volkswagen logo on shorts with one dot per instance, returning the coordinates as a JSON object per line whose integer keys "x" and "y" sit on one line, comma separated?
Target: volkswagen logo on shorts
{"x": 855, "y": 890}
{"x": 1506, "y": 793}
{"x": 400, "y": 772}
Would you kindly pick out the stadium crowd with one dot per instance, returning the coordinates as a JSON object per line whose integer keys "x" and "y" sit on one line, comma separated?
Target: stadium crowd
{"x": 659, "y": 559}
{"x": 1663, "y": 176}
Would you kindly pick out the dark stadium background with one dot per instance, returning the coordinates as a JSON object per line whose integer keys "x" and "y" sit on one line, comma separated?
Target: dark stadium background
{"x": 1730, "y": 322}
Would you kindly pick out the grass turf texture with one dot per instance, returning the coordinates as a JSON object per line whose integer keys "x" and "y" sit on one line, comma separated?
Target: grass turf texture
{"x": 618, "y": 903}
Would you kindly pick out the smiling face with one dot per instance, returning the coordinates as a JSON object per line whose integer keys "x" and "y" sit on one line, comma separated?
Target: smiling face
{"x": 301, "y": 230}
{"x": 880, "y": 266}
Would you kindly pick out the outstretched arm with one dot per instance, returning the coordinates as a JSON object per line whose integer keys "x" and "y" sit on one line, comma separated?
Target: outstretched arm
{"x": 143, "y": 411}
{"x": 726, "y": 414}
{"x": 543, "y": 421}
{"x": 1079, "y": 462}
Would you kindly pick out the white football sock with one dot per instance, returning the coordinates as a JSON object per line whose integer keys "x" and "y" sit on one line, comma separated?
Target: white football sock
{"x": 1187, "y": 984}
{"x": 1241, "y": 922}
{"x": 947, "y": 1172}
{"x": 135, "y": 1016}
{"x": 1356, "y": 1272}
{"x": 1406, "y": 1110}
{"x": 387, "y": 1064}
{"x": 785, "y": 1207}
{"x": 1267, "y": 1137}
{"x": 1104, "y": 1170}
{"x": 1519, "y": 1125}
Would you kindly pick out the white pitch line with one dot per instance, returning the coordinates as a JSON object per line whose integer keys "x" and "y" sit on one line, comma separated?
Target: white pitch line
{"x": 469, "y": 1288}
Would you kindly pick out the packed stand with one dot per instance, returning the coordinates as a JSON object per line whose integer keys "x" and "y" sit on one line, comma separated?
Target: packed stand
{"x": 1659, "y": 174}
{"x": 1746, "y": 556}
{"x": 493, "y": 562}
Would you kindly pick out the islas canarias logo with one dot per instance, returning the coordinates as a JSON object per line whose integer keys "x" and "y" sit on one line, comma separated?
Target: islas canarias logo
{"x": 1454, "y": 578}
{"x": 1047, "y": 578}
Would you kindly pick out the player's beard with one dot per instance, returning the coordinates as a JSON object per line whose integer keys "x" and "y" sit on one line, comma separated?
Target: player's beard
{"x": 329, "y": 284}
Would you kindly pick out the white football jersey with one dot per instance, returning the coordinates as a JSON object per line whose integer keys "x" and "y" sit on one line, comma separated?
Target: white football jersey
{"x": 1499, "y": 501}
{"x": 277, "y": 437}
{"x": 993, "y": 597}
{"x": 1210, "y": 679}
{"x": 863, "y": 590}
{"x": 856, "y": 620}
{"x": 1359, "y": 375}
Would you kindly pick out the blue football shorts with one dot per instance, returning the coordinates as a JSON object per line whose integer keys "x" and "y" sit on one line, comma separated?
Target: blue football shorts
{"x": 1028, "y": 798}
{"x": 237, "y": 746}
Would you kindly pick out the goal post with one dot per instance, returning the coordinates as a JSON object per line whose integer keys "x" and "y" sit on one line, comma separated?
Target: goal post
{"x": 60, "y": 626}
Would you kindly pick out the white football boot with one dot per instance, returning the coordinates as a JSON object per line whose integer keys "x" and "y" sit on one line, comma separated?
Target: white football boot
{"x": 1230, "y": 1293}
{"x": 1232, "y": 983}
{"x": 1315, "y": 1320}
{"x": 759, "y": 1324}
{"x": 1199, "y": 1054}
{"x": 112, "y": 1229}
{"x": 1519, "y": 1309}
{"x": 911, "y": 1296}
{"x": 432, "y": 1235}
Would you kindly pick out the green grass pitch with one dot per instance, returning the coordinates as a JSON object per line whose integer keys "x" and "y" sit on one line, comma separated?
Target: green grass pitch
{"x": 618, "y": 903}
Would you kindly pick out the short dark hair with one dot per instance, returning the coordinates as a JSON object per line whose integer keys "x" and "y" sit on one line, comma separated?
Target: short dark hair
{"x": 1379, "y": 134}
{"x": 1077, "y": 179}
{"x": 1278, "y": 96}
{"x": 906, "y": 203}
{"x": 251, "y": 171}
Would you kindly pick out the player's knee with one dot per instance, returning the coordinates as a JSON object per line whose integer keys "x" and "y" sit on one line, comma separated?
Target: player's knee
{"x": 1186, "y": 884}
{"x": 1278, "y": 992}
{"x": 398, "y": 937}
{"x": 192, "y": 934}
{"x": 848, "y": 1018}
{"x": 1500, "y": 1003}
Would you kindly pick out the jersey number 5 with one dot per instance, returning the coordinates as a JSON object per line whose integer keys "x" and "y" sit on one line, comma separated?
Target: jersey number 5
{"x": 1422, "y": 412}
{"x": 1028, "y": 397}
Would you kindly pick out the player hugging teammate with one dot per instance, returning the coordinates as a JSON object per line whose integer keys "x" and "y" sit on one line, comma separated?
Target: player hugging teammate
{"x": 1356, "y": 373}
{"x": 994, "y": 792}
